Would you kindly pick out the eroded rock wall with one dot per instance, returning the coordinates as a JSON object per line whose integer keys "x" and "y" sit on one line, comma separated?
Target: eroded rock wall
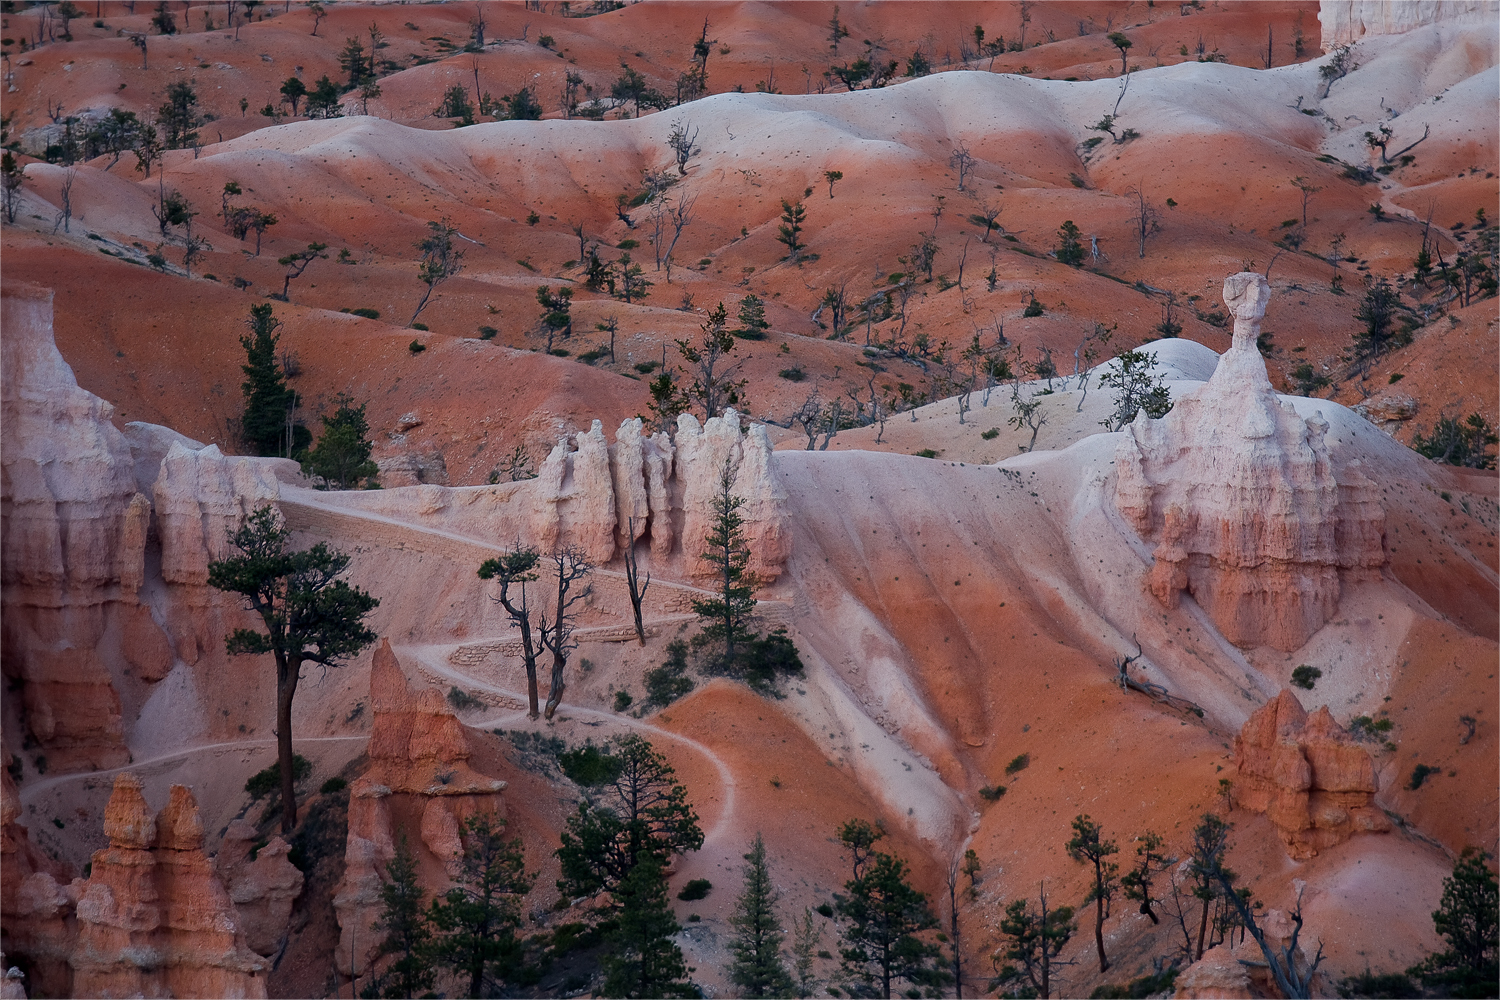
{"x": 73, "y": 532}
{"x": 1240, "y": 496}
{"x": 1346, "y": 21}
{"x": 1307, "y": 774}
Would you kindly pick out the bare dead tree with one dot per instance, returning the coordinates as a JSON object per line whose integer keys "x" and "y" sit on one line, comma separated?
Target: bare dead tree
{"x": 1146, "y": 220}
{"x": 573, "y": 569}
{"x": 681, "y": 216}
{"x": 962, "y": 161}
{"x": 65, "y": 197}
{"x": 633, "y": 581}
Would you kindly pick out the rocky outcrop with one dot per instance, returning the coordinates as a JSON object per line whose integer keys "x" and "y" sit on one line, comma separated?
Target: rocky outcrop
{"x": 202, "y": 498}
{"x": 153, "y": 920}
{"x": 1218, "y": 975}
{"x": 1307, "y": 774}
{"x": 72, "y": 545}
{"x": 705, "y": 454}
{"x": 1241, "y": 498}
{"x": 419, "y": 768}
{"x": 1347, "y": 21}
{"x": 588, "y": 493}
{"x": 1388, "y": 412}
{"x": 263, "y": 888}
{"x": 36, "y": 907}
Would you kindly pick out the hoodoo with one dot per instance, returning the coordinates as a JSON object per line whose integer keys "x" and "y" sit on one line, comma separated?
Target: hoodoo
{"x": 1238, "y": 491}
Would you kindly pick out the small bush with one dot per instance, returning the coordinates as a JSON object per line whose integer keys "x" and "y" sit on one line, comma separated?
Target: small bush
{"x": 1020, "y": 763}
{"x": 419, "y": 326}
{"x": 589, "y": 765}
{"x": 793, "y": 374}
{"x": 589, "y": 357}
{"x": 1419, "y": 774}
{"x": 366, "y": 313}
{"x": 532, "y": 219}
{"x": 647, "y": 367}
{"x": 992, "y": 793}
{"x": 824, "y": 909}
{"x": 696, "y": 888}
{"x": 462, "y": 701}
{"x": 1368, "y": 984}
{"x": 268, "y": 781}
{"x": 623, "y": 700}
{"x": 1306, "y": 676}
{"x": 1136, "y": 989}
{"x": 560, "y": 352}
{"x": 1362, "y": 727}
{"x": 1033, "y": 308}
{"x": 333, "y": 785}
{"x": 990, "y": 434}
{"x": 668, "y": 682}
{"x": 926, "y": 453}
{"x": 1171, "y": 202}
{"x": 546, "y": 41}
{"x": 487, "y": 332}
{"x": 627, "y": 245}
{"x": 41, "y": 764}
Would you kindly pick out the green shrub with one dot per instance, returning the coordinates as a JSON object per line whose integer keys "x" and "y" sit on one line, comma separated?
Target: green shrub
{"x": 992, "y": 793}
{"x": 1033, "y": 308}
{"x": 589, "y": 357}
{"x": 1419, "y": 774}
{"x": 1306, "y": 676}
{"x": 463, "y": 700}
{"x": 487, "y": 333}
{"x": 1363, "y": 727}
{"x": 824, "y": 910}
{"x": 1368, "y": 984}
{"x": 1020, "y": 763}
{"x": 647, "y": 367}
{"x": 416, "y": 347}
{"x": 696, "y": 888}
{"x": 622, "y": 700}
{"x": 532, "y": 219}
{"x": 926, "y": 453}
{"x": 991, "y": 434}
{"x": 766, "y": 657}
{"x": 668, "y": 682}
{"x": 333, "y": 785}
{"x": 366, "y": 313}
{"x": 268, "y": 781}
{"x": 1136, "y": 989}
{"x": 589, "y": 765}
{"x": 419, "y": 326}
{"x": 560, "y": 352}
{"x": 793, "y": 374}
{"x": 627, "y": 244}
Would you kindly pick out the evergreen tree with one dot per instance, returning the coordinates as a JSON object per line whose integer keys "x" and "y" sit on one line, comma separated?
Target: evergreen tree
{"x": 557, "y": 316}
{"x": 1377, "y": 313}
{"x": 1036, "y": 937}
{"x": 882, "y": 917}
{"x": 1069, "y": 246}
{"x": 522, "y": 106}
{"x": 752, "y": 318}
{"x": 728, "y": 613}
{"x": 790, "y": 230}
{"x": 407, "y": 934}
{"x": 309, "y": 615}
{"x": 643, "y": 960}
{"x": 639, "y": 809}
{"x": 352, "y": 60}
{"x": 1149, "y": 862}
{"x": 292, "y": 91}
{"x": 268, "y": 401}
{"x": 806, "y": 936}
{"x": 179, "y": 116}
{"x": 1466, "y": 918}
{"x": 758, "y": 968}
{"x": 1089, "y": 847}
{"x": 323, "y": 100}
{"x": 342, "y": 456}
{"x": 477, "y": 919}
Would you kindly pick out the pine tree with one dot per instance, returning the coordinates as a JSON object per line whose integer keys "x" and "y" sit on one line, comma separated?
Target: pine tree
{"x": 408, "y": 935}
{"x": 1036, "y": 937}
{"x": 752, "y": 318}
{"x": 806, "y": 936}
{"x": 790, "y": 230}
{"x": 1089, "y": 847}
{"x": 728, "y": 613}
{"x": 1466, "y": 918}
{"x": 267, "y": 398}
{"x": 1069, "y": 247}
{"x": 643, "y": 959}
{"x": 342, "y": 456}
{"x": 882, "y": 917}
{"x": 758, "y": 967}
{"x": 477, "y": 919}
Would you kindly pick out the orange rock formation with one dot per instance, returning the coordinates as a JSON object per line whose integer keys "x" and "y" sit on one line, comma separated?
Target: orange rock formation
{"x": 1307, "y": 774}
{"x": 153, "y": 919}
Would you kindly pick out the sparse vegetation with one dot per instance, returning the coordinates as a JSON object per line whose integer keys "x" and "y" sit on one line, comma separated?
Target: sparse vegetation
{"x": 1306, "y": 676}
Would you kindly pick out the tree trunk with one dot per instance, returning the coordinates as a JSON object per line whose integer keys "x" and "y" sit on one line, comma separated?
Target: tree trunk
{"x": 286, "y": 690}
{"x": 1203, "y": 926}
{"x": 1099, "y": 934}
{"x": 559, "y": 637}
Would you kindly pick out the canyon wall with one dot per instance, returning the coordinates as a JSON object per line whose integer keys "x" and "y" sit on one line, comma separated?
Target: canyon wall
{"x": 1240, "y": 496}
{"x": 1347, "y": 21}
